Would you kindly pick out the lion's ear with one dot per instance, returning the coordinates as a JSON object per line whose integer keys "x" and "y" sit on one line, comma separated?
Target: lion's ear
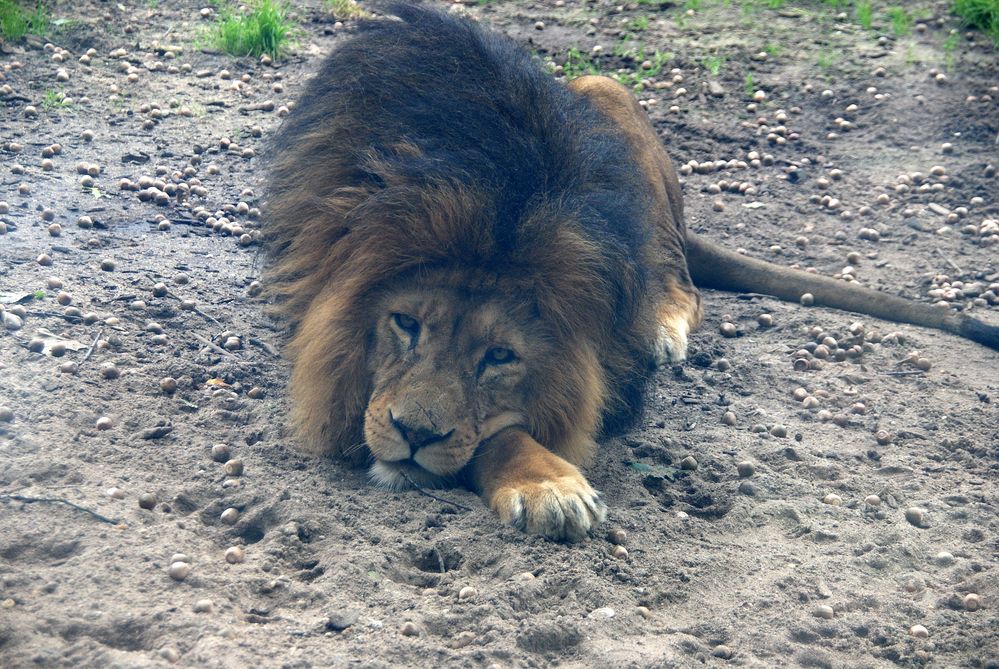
{"x": 330, "y": 383}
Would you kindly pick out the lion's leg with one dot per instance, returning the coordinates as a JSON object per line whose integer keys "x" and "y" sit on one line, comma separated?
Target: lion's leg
{"x": 533, "y": 489}
{"x": 678, "y": 304}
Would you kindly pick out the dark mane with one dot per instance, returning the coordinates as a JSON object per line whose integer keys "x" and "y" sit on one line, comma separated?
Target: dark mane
{"x": 433, "y": 101}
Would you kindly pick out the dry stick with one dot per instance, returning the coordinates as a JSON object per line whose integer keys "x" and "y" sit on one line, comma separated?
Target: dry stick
{"x": 420, "y": 490}
{"x": 264, "y": 345}
{"x": 195, "y": 310}
{"x": 210, "y": 344}
{"x": 53, "y": 314}
{"x": 54, "y": 500}
{"x": 910, "y": 372}
{"x": 92, "y": 345}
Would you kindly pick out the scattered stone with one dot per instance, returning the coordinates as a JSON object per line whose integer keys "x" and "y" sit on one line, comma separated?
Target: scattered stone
{"x": 230, "y": 516}
{"x": 104, "y": 423}
{"x": 722, "y": 651}
{"x": 221, "y": 453}
{"x": 116, "y": 493}
{"x": 466, "y": 593}
{"x": 340, "y": 620}
{"x": 824, "y": 611}
{"x": 235, "y": 554}
{"x": 617, "y": 536}
{"x": 688, "y": 463}
{"x": 168, "y": 384}
{"x": 872, "y": 501}
{"x": 917, "y": 516}
{"x": 602, "y": 613}
{"x": 179, "y": 570}
{"x": 832, "y": 499}
{"x": 919, "y": 631}
{"x": 972, "y": 602}
{"x": 409, "y": 628}
{"x": 619, "y": 552}
{"x": 203, "y": 606}
{"x": 147, "y": 500}
{"x": 234, "y": 467}
{"x": 746, "y": 469}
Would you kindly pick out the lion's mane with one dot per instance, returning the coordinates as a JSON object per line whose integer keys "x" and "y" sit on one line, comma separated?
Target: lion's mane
{"x": 427, "y": 143}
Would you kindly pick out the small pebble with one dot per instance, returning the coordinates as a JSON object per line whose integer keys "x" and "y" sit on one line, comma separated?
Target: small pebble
{"x": 688, "y": 463}
{"x": 409, "y": 628}
{"x": 234, "y": 467}
{"x": 107, "y": 265}
{"x": 203, "y": 606}
{"x": 765, "y": 320}
{"x": 728, "y": 418}
{"x": 883, "y": 437}
{"x": 104, "y": 423}
{"x": 972, "y": 602}
{"x": 468, "y": 592}
{"x": 807, "y": 299}
{"x": 147, "y": 500}
{"x": 778, "y": 431}
{"x": 944, "y": 558}
{"x": 619, "y": 552}
{"x": 722, "y": 651}
{"x": 728, "y": 329}
{"x": 643, "y": 611}
{"x": 602, "y": 613}
{"x": 230, "y": 516}
{"x": 617, "y": 536}
{"x": 872, "y": 501}
{"x": 221, "y": 453}
{"x": 255, "y": 393}
{"x": 745, "y": 469}
{"x": 170, "y": 654}
{"x": 179, "y": 570}
{"x": 235, "y": 555}
{"x": 833, "y": 499}
{"x": 110, "y": 371}
{"x": 919, "y": 631}
{"x": 168, "y": 384}
{"x": 824, "y": 611}
{"x": 917, "y": 516}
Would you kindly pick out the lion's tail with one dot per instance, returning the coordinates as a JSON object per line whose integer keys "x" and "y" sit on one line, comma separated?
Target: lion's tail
{"x": 714, "y": 267}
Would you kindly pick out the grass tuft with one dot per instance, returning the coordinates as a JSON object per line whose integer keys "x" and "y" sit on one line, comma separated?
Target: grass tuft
{"x": 981, "y": 14}
{"x": 713, "y": 64}
{"x": 901, "y": 21}
{"x": 865, "y": 14}
{"x": 265, "y": 29}
{"x": 16, "y": 21}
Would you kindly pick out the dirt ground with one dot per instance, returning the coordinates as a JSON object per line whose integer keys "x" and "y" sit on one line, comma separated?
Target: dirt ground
{"x": 786, "y": 561}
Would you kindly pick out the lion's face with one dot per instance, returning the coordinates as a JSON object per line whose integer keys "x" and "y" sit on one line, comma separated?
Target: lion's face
{"x": 449, "y": 369}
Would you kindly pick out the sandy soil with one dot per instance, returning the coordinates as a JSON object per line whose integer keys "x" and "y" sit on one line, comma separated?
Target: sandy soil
{"x": 793, "y": 564}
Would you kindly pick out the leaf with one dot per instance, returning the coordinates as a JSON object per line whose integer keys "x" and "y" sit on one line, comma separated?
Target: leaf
{"x": 51, "y": 338}
{"x": 14, "y": 298}
{"x": 217, "y": 383}
{"x": 755, "y": 204}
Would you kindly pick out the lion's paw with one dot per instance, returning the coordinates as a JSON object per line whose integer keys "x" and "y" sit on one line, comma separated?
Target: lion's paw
{"x": 564, "y": 508}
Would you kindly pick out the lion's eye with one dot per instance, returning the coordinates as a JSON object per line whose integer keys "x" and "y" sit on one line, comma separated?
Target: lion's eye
{"x": 407, "y": 324}
{"x": 499, "y": 355}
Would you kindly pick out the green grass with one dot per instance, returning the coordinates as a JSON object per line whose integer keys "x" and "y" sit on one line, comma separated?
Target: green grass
{"x": 346, "y": 9}
{"x": 749, "y": 85}
{"x": 901, "y": 21}
{"x": 713, "y": 64}
{"x": 826, "y": 59}
{"x": 639, "y": 23}
{"x": 265, "y": 29}
{"x": 54, "y": 100}
{"x": 577, "y": 64}
{"x": 981, "y": 14}
{"x": 865, "y": 14}
{"x": 950, "y": 49}
{"x": 16, "y": 21}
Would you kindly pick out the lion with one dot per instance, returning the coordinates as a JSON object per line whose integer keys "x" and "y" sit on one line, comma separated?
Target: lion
{"x": 482, "y": 266}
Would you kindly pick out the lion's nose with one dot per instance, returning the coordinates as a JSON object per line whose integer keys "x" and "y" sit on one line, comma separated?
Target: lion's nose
{"x": 418, "y": 437}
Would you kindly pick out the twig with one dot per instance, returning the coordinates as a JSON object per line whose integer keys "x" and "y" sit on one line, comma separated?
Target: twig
{"x": 908, "y": 372}
{"x": 92, "y": 345}
{"x": 210, "y": 344}
{"x": 54, "y": 500}
{"x": 420, "y": 490}
{"x": 53, "y": 314}
{"x": 264, "y": 345}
